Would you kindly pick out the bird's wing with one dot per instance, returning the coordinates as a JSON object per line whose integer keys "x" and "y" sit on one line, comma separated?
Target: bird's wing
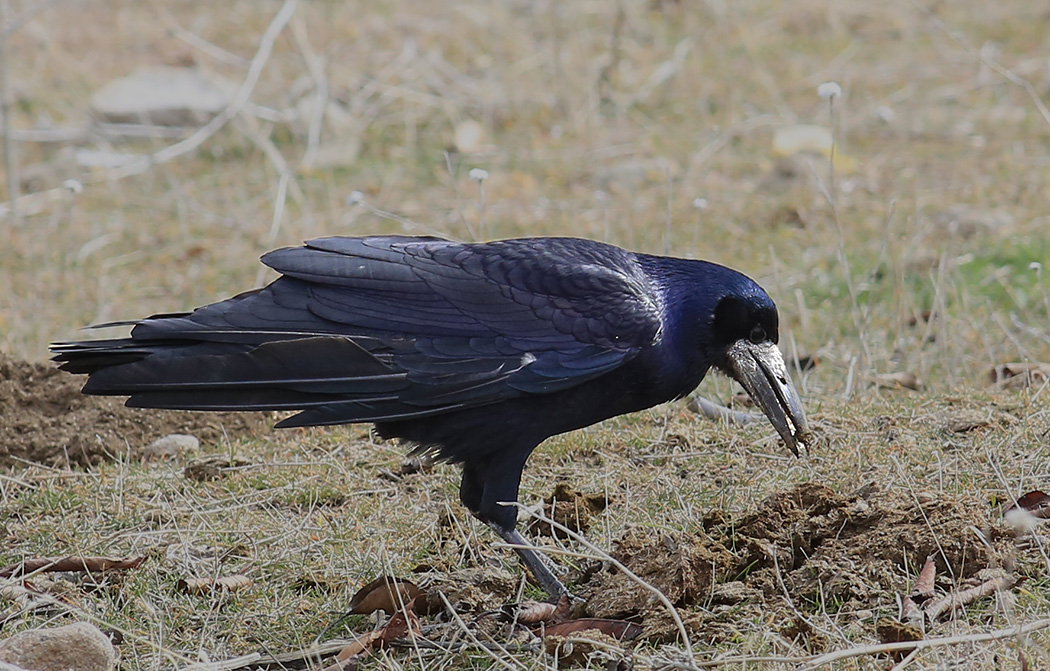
{"x": 537, "y": 293}
{"x": 425, "y": 326}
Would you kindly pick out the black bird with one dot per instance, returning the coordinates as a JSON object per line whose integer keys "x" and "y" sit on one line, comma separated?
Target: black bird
{"x": 475, "y": 352}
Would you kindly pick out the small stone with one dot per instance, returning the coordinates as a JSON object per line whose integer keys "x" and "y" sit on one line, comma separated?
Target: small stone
{"x": 171, "y": 446}
{"x": 162, "y": 96}
{"x": 80, "y": 647}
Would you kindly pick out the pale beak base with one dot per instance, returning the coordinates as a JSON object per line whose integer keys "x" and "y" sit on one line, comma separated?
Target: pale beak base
{"x": 760, "y": 369}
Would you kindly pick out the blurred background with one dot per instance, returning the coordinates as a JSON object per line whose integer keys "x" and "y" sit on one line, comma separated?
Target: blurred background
{"x": 160, "y": 147}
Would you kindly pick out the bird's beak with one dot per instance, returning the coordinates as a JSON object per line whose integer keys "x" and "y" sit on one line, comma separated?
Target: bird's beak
{"x": 760, "y": 369}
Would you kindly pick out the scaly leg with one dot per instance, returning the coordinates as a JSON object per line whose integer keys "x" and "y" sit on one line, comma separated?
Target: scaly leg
{"x": 543, "y": 568}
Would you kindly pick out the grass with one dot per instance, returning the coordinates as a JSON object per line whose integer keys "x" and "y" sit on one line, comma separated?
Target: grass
{"x": 595, "y": 126}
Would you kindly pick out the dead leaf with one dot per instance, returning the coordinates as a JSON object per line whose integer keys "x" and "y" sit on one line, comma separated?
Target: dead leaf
{"x": 400, "y": 624}
{"x": 362, "y": 646}
{"x": 1020, "y": 374}
{"x": 911, "y": 613}
{"x": 924, "y": 586}
{"x": 314, "y": 581}
{"x": 534, "y": 612}
{"x": 621, "y": 630}
{"x": 79, "y": 564}
{"x": 1035, "y": 502}
{"x": 789, "y": 216}
{"x": 385, "y": 593}
{"x": 901, "y": 380}
{"x": 529, "y": 612}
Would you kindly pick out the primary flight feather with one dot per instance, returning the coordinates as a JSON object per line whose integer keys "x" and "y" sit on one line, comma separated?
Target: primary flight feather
{"x": 477, "y": 352}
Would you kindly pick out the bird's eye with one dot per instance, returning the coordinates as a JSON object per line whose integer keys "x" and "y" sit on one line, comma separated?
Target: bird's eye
{"x": 758, "y": 335}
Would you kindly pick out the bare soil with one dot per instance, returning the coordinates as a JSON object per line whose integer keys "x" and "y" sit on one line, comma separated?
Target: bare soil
{"x": 803, "y": 550}
{"x": 45, "y": 419}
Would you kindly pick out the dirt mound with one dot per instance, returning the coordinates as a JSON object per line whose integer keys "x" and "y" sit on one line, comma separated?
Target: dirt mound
{"x": 822, "y": 550}
{"x": 44, "y": 418}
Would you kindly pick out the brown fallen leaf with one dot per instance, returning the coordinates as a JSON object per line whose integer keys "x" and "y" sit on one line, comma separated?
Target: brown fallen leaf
{"x": 400, "y": 624}
{"x": 911, "y": 613}
{"x": 529, "y": 612}
{"x": 534, "y": 612}
{"x": 79, "y": 564}
{"x": 901, "y": 380}
{"x": 621, "y": 630}
{"x": 1020, "y": 374}
{"x": 924, "y": 585}
{"x": 385, "y": 593}
{"x": 361, "y": 646}
{"x": 1035, "y": 502}
{"x": 226, "y": 583}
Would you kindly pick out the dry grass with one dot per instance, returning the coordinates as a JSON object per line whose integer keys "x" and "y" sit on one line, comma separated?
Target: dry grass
{"x": 601, "y": 120}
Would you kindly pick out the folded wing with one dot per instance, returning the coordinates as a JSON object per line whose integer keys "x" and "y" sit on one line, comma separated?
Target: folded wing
{"x": 380, "y": 329}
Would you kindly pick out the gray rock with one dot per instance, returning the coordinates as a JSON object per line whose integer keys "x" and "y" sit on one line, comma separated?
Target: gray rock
{"x": 77, "y": 647}
{"x": 162, "y": 96}
{"x": 171, "y": 446}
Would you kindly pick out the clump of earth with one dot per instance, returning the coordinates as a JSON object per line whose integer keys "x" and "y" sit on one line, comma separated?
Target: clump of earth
{"x": 45, "y": 419}
{"x": 819, "y": 549}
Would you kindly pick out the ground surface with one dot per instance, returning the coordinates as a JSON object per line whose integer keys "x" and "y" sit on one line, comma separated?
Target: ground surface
{"x": 45, "y": 419}
{"x": 908, "y": 270}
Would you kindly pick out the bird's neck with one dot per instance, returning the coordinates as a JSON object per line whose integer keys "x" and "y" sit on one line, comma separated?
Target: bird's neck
{"x": 689, "y": 292}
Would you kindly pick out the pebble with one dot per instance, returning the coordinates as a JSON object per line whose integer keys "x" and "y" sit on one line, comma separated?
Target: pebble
{"x": 75, "y": 647}
{"x": 171, "y": 446}
{"x": 163, "y": 96}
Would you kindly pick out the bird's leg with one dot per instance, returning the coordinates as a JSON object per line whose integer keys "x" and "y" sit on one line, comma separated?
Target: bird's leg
{"x": 487, "y": 487}
{"x": 543, "y": 568}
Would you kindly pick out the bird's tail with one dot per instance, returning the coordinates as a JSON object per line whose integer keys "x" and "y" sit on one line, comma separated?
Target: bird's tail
{"x": 301, "y": 373}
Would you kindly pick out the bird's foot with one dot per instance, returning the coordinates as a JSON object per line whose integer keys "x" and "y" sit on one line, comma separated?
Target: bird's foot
{"x": 544, "y": 570}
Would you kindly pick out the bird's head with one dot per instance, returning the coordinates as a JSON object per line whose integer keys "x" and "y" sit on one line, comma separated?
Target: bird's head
{"x": 745, "y": 330}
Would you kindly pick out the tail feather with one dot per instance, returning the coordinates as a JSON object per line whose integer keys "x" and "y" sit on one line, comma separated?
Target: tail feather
{"x": 290, "y": 374}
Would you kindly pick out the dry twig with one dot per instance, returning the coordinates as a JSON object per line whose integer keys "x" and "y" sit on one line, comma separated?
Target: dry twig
{"x": 262, "y": 55}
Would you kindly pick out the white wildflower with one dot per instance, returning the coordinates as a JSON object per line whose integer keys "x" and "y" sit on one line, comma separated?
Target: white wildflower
{"x": 829, "y": 90}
